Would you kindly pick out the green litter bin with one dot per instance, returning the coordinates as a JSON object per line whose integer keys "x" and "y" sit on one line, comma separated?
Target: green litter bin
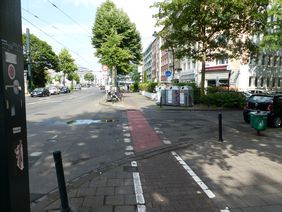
{"x": 258, "y": 120}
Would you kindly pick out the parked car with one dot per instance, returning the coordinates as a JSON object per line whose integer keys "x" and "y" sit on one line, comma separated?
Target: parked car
{"x": 40, "y": 92}
{"x": 64, "y": 89}
{"x": 270, "y": 103}
{"x": 53, "y": 90}
{"x": 77, "y": 87}
{"x": 255, "y": 91}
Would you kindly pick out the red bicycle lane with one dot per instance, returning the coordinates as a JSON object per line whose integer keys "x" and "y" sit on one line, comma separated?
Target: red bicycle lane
{"x": 142, "y": 134}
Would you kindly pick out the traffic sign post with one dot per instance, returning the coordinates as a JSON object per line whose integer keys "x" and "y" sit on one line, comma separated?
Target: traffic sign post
{"x": 167, "y": 73}
{"x": 14, "y": 182}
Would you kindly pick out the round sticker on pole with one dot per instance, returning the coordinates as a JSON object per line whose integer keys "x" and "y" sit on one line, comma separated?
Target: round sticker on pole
{"x": 11, "y": 71}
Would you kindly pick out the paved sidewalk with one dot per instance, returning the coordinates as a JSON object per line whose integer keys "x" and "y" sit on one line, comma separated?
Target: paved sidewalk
{"x": 243, "y": 174}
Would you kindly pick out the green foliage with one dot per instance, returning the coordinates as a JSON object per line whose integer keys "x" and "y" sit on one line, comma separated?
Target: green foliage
{"x": 112, "y": 54}
{"x": 272, "y": 40}
{"x": 67, "y": 65}
{"x": 148, "y": 86}
{"x": 224, "y": 99}
{"x": 151, "y": 87}
{"x": 203, "y": 30}
{"x": 145, "y": 76}
{"x": 89, "y": 77}
{"x": 135, "y": 75}
{"x": 143, "y": 86}
{"x": 115, "y": 38}
{"x": 73, "y": 76}
{"x": 215, "y": 89}
{"x": 42, "y": 58}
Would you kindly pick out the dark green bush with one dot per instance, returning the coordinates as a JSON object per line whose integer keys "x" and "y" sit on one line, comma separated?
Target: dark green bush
{"x": 151, "y": 87}
{"x": 143, "y": 86}
{"x": 224, "y": 99}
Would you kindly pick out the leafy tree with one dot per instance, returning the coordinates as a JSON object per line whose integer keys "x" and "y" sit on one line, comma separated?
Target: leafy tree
{"x": 67, "y": 65}
{"x": 42, "y": 57}
{"x": 115, "y": 38}
{"x": 73, "y": 76}
{"x": 135, "y": 75}
{"x": 89, "y": 77}
{"x": 209, "y": 29}
{"x": 272, "y": 40}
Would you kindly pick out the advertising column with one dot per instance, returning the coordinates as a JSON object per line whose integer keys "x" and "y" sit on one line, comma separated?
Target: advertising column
{"x": 14, "y": 183}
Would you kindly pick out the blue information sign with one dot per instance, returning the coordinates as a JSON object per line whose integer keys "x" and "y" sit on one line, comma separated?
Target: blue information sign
{"x": 167, "y": 73}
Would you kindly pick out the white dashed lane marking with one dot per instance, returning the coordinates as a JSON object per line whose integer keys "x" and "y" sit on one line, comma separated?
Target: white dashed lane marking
{"x": 159, "y": 132}
{"x": 138, "y": 190}
{"x": 203, "y": 186}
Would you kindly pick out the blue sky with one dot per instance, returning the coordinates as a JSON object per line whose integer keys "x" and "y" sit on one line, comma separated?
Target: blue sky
{"x": 52, "y": 26}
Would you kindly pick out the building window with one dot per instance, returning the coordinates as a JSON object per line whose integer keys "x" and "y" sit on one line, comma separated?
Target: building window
{"x": 223, "y": 60}
{"x": 280, "y": 61}
{"x": 279, "y": 81}
{"x": 269, "y": 60}
{"x": 261, "y": 82}
{"x": 256, "y": 81}
{"x": 250, "y": 81}
{"x": 211, "y": 82}
{"x": 275, "y": 60}
{"x": 267, "y": 82}
{"x": 263, "y": 60}
{"x": 273, "y": 82}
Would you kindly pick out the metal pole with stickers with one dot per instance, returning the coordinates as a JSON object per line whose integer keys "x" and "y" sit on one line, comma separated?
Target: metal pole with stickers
{"x": 14, "y": 181}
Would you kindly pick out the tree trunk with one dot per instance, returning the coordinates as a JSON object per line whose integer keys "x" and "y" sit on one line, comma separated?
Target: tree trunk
{"x": 173, "y": 68}
{"x": 64, "y": 79}
{"x": 114, "y": 77}
{"x": 203, "y": 70}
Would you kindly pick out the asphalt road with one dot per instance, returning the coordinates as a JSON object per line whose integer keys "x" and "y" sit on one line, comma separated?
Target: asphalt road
{"x": 62, "y": 123}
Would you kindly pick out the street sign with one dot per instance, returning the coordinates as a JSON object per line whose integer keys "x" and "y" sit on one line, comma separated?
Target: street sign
{"x": 105, "y": 68}
{"x": 167, "y": 73}
{"x": 14, "y": 180}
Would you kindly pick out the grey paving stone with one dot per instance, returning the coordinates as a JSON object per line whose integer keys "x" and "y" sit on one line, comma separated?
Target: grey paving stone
{"x": 125, "y": 209}
{"x": 83, "y": 192}
{"x": 115, "y": 182}
{"x": 272, "y": 199}
{"x": 114, "y": 200}
{"x": 76, "y": 203}
{"x": 93, "y": 201}
{"x": 128, "y": 182}
{"x": 124, "y": 190}
{"x": 106, "y": 190}
{"x": 54, "y": 205}
{"x": 84, "y": 209}
{"x": 273, "y": 208}
{"x": 130, "y": 199}
{"x": 103, "y": 209}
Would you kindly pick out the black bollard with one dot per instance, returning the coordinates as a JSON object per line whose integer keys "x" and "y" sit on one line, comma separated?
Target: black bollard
{"x": 161, "y": 99}
{"x": 220, "y": 127}
{"x": 61, "y": 181}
